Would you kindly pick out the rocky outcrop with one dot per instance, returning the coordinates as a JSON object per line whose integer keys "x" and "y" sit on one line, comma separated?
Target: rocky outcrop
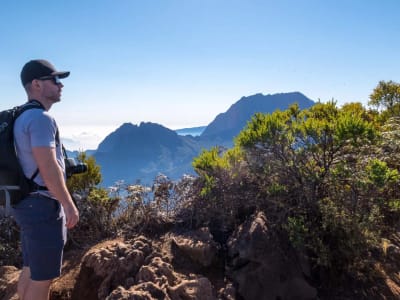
{"x": 136, "y": 270}
{"x": 109, "y": 266}
{"x": 259, "y": 266}
{"x": 253, "y": 264}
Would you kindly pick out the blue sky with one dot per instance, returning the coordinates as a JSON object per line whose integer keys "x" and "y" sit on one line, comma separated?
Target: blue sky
{"x": 179, "y": 63}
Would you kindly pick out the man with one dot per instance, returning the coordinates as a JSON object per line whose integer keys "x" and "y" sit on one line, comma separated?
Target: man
{"x": 46, "y": 213}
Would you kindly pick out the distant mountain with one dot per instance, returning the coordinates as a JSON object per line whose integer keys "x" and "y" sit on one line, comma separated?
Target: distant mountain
{"x": 228, "y": 124}
{"x": 141, "y": 152}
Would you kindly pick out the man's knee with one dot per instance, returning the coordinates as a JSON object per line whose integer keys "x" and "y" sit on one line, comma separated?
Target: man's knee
{"x": 42, "y": 284}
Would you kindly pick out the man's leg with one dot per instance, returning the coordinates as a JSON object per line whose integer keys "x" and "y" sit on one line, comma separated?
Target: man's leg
{"x": 38, "y": 290}
{"x": 23, "y": 282}
{"x": 29, "y": 289}
{"x": 44, "y": 243}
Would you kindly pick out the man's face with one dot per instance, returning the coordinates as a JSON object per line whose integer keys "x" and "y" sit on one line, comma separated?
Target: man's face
{"x": 51, "y": 88}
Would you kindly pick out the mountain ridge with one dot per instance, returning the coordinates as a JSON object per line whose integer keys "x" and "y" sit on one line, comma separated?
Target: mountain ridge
{"x": 141, "y": 152}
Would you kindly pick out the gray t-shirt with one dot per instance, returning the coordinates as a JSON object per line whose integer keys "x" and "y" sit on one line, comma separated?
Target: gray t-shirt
{"x": 36, "y": 128}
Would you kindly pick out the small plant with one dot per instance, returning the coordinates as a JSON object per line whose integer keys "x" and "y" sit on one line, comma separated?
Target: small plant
{"x": 297, "y": 231}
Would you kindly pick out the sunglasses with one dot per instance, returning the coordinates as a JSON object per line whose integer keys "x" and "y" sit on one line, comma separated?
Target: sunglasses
{"x": 55, "y": 79}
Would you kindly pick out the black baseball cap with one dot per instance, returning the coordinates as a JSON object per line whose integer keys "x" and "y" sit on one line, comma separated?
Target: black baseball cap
{"x": 37, "y": 68}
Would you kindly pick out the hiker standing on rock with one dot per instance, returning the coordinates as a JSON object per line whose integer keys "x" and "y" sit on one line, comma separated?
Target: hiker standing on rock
{"x": 46, "y": 213}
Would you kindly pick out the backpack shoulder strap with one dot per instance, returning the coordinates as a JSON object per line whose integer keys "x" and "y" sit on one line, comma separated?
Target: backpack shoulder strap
{"x": 31, "y": 104}
{"x": 28, "y": 105}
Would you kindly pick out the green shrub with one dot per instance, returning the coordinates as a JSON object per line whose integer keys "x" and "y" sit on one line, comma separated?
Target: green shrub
{"x": 318, "y": 173}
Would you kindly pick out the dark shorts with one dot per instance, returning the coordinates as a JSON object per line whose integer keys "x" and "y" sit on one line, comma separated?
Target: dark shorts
{"x": 43, "y": 235}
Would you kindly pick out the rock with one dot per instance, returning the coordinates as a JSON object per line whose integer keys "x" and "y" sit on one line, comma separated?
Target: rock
{"x": 198, "y": 245}
{"x": 195, "y": 289}
{"x": 158, "y": 272}
{"x": 142, "y": 291}
{"x": 8, "y": 282}
{"x": 157, "y": 280}
{"x": 119, "y": 270}
{"x": 104, "y": 268}
{"x": 199, "y": 289}
{"x": 260, "y": 267}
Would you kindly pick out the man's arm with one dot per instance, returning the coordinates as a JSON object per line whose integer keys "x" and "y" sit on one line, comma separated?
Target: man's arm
{"x": 53, "y": 177}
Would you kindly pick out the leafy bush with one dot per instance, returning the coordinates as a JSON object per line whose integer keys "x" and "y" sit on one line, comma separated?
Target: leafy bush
{"x": 319, "y": 174}
{"x": 95, "y": 217}
{"x": 83, "y": 182}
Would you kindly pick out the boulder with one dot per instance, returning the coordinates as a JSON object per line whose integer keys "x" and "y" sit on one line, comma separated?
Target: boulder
{"x": 261, "y": 268}
{"x": 198, "y": 245}
{"x": 108, "y": 266}
{"x": 135, "y": 270}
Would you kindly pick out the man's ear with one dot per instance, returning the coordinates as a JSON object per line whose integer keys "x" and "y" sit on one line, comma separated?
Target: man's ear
{"x": 36, "y": 85}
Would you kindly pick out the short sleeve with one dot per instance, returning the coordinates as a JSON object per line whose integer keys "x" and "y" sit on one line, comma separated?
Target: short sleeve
{"x": 42, "y": 130}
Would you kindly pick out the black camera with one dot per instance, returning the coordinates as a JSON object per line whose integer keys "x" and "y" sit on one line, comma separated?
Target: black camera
{"x": 73, "y": 167}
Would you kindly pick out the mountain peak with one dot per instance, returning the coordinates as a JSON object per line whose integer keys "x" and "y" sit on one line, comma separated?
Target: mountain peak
{"x": 231, "y": 122}
{"x": 128, "y": 135}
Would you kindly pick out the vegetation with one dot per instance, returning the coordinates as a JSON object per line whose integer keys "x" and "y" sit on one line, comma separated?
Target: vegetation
{"x": 386, "y": 95}
{"x": 80, "y": 183}
{"x": 326, "y": 177}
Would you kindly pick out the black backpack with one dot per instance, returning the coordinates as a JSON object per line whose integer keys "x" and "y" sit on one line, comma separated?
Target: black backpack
{"x": 14, "y": 185}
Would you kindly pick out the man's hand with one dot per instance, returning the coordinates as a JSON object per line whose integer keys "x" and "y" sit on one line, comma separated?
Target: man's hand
{"x": 71, "y": 215}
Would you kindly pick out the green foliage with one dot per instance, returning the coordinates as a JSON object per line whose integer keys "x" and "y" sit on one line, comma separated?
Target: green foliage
{"x": 96, "y": 220}
{"x": 216, "y": 159}
{"x": 394, "y": 205}
{"x": 103, "y": 204}
{"x": 267, "y": 129}
{"x": 379, "y": 174}
{"x": 209, "y": 184}
{"x": 302, "y": 145}
{"x": 326, "y": 175}
{"x": 206, "y": 161}
{"x": 94, "y": 204}
{"x": 386, "y": 95}
{"x": 84, "y": 181}
{"x": 297, "y": 231}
